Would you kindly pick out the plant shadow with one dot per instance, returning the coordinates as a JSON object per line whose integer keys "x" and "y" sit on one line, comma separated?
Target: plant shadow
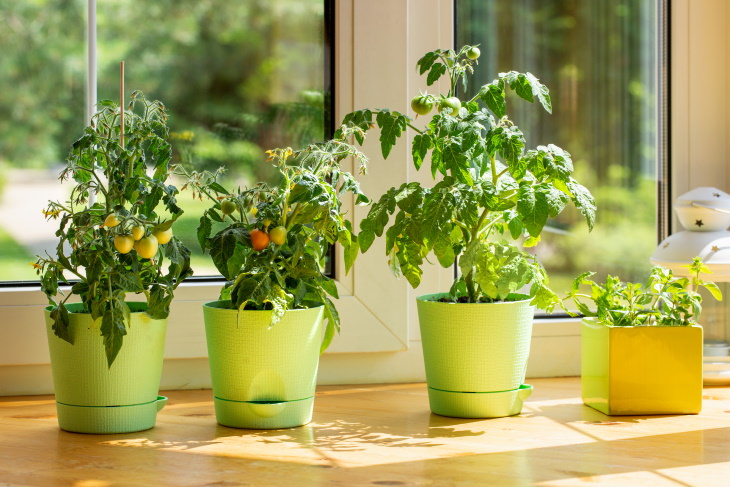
{"x": 343, "y": 435}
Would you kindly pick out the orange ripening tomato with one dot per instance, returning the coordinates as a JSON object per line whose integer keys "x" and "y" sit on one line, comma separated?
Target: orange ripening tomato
{"x": 259, "y": 239}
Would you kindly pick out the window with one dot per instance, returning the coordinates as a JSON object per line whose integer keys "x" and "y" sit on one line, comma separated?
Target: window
{"x": 600, "y": 61}
{"x": 223, "y": 69}
{"x": 380, "y": 310}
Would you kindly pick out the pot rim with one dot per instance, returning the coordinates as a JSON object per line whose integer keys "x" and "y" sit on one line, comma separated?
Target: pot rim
{"x": 134, "y": 307}
{"x": 592, "y": 320}
{"x": 429, "y": 298}
{"x": 211, "y": 305}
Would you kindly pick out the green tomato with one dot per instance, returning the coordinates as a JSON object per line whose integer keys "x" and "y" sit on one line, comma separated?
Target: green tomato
{"x": 422, "y": 104}
{"x": 450, "y": 105}
{"x": 473, "y": 53}
{"x": 228, "y": 207}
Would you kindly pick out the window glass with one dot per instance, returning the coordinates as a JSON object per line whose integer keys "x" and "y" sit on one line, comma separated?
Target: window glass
{"x": 599, "y": 59}
{"x": 42, "y": 84}
{"x": 238, "y": 78}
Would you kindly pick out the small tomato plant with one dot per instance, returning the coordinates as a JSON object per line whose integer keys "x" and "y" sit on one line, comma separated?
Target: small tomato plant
{"x": 108, "y": 249}
{"x": 275, "y": 237}
{"x": 665, "y": 300}
{"x": 490, "y": 187}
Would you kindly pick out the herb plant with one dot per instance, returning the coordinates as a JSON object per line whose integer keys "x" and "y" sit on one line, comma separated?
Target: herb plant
{"x": 490, "y": 187}
{"x": 122, "y": 242}
{"x": 665, "y": 300}
{"x": 275, "y": 238}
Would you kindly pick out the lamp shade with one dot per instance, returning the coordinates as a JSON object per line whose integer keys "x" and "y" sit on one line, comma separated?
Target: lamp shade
{"x": 704, "y": 209}
{"x": 705, "y": 213}
{"x": 678, "y": 250}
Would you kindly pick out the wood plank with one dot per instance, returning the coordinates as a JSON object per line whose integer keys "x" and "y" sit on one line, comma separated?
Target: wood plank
{"x": 373, "y": 436}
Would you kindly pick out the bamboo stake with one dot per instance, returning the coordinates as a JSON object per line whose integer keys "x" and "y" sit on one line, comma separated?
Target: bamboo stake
{"x": 121, "y": 103}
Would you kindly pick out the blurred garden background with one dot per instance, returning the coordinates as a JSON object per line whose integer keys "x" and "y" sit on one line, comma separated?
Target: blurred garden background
{"x": 242, "y": 77}
{"x": 599, "y": 60}
{"x": 238, "y": 78}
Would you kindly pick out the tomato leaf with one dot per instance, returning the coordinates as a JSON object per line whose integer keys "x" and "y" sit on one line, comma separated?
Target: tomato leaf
{"x": 392, "y": 125}
{"x": 350, "y": 252}
{"x": 532, "y": 208}
{"x": 540, "y": 92}
{"x": 494, "y": 97}
{"x": 421, "y": 145}
{"x": 61, "y": 324}
{"x": 205, "y": 227}
{"x": 223, "y": 247}
{"x": 113, "y": 329}
{"x": 583, "y": 200}
{"x": 436, "y": 71}
{"x": 444, "y": 249}
{"x": 332, "y": 323}
{"x": 425, "y": 63}
{"x": 410, "y": 260}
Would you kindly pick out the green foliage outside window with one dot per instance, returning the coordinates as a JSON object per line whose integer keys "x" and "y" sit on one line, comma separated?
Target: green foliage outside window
{"x": 600, "y": 60}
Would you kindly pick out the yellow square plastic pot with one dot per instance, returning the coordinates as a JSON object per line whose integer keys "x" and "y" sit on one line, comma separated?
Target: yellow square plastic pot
{"x": 642, "y": 369}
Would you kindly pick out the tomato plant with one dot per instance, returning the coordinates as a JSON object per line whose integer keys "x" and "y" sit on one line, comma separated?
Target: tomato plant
{"x": 303, "y": 217}
{"x": 490, "y": 187}
{"x": 102, "y": 252}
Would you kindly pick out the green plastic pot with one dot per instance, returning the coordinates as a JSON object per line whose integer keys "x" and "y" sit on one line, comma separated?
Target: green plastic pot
{"x": 475, "y": 356}
{"x": 263, "y": 376}
{"x": 94, "y": 398}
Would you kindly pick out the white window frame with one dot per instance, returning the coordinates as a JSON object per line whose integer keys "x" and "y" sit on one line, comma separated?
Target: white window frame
{"x": 384, "y": 345}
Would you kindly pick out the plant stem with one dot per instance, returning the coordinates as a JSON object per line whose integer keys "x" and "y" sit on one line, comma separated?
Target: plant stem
{"x": 287, "y": 222}
{"x": 415, "y": 128}
{"x": 470, "y": 287}
{"x": 461, "y": 225}
{"x": 477, "y": 227}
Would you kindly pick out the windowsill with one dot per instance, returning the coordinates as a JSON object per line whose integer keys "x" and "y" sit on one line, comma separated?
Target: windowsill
{"x": 377, "y": 435}
{"x": 25, "y": 369}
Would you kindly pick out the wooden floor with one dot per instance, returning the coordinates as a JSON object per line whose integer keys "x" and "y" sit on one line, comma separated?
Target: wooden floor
{"x": 381, "y": 435}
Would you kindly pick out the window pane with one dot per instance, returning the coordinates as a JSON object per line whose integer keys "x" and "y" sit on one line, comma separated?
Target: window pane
{"x": 599, "y": 61}
{"x": 238, "y": 78}
{"x": 42, "y": 103}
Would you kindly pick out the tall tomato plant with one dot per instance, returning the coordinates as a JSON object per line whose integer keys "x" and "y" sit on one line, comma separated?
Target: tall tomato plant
{"x": 123, "y": 242}
{"x": 490, "y": 188}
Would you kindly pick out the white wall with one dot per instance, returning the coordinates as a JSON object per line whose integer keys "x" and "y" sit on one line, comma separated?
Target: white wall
{"x": 699, "y": 100}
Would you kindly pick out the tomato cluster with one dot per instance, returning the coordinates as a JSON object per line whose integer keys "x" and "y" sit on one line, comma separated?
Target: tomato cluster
{"x": 260, "y": 239}
{"x": 146, "y": 246}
